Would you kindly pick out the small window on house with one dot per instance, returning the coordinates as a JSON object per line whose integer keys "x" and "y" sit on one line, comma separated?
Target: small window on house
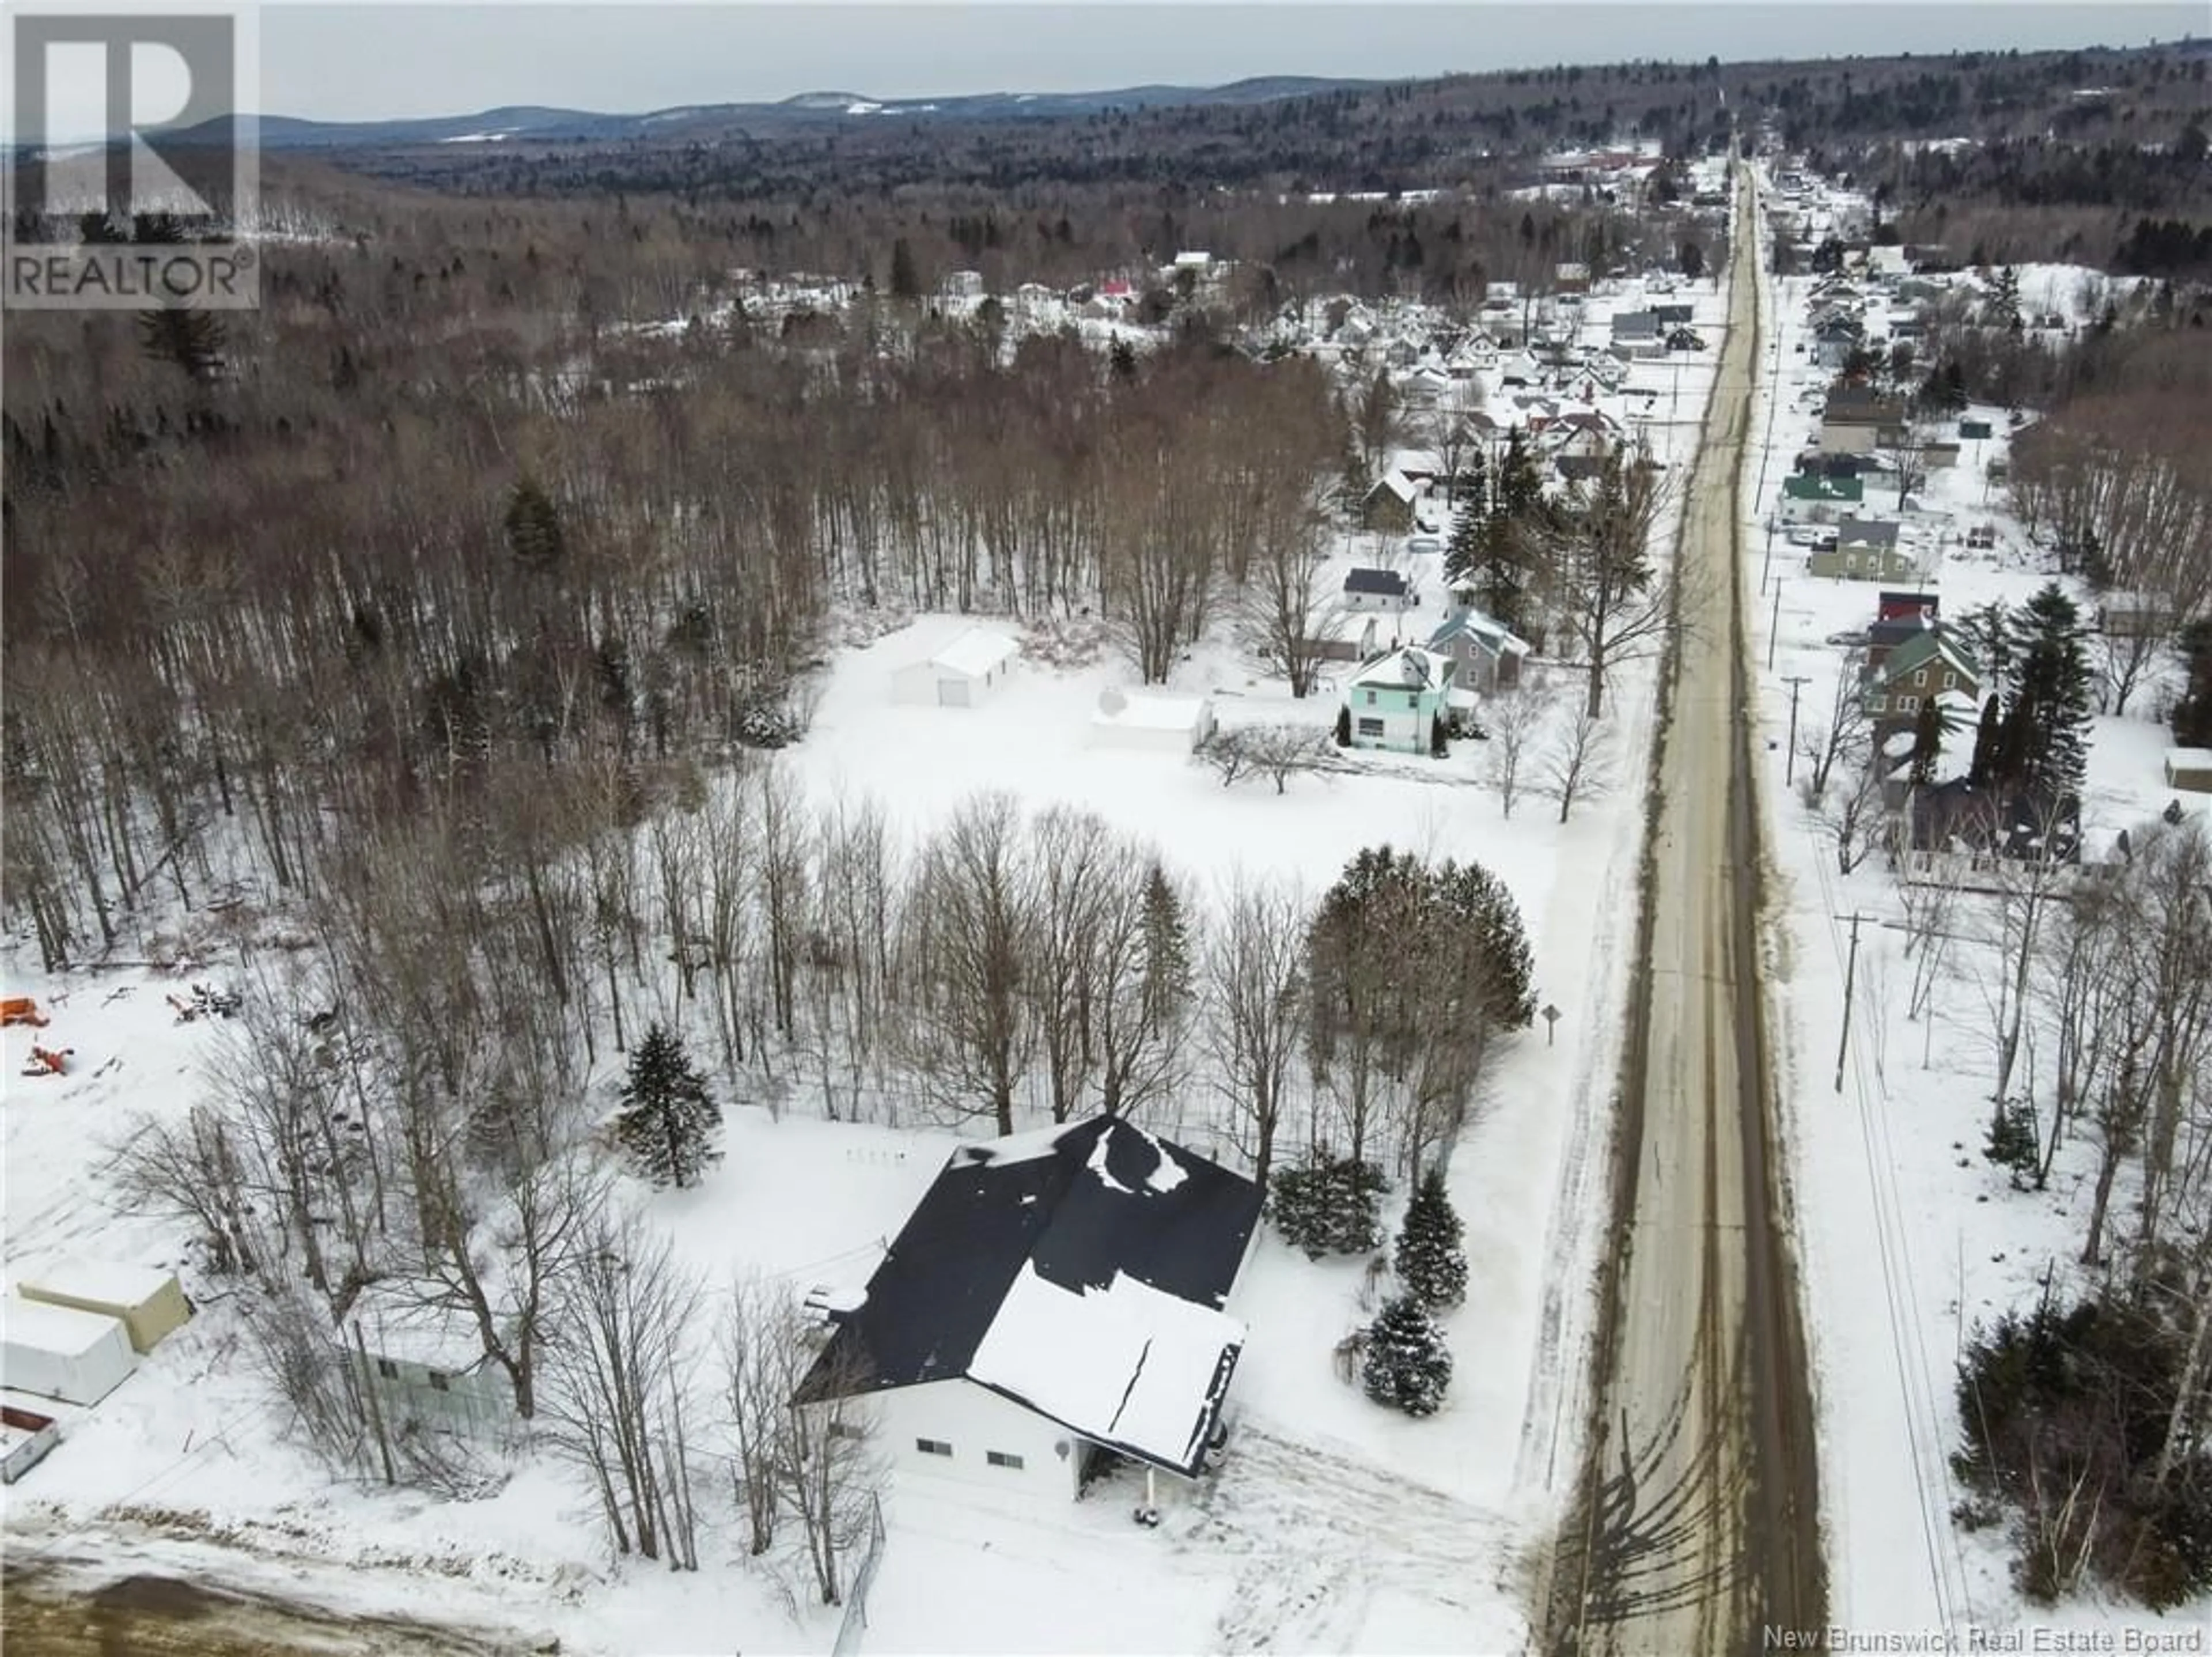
{"x": 933, "y": 1446}
{"x": 1920, "y": 679}
{"x": 1371, "y": 699}
{"x": 1950, "y": 681}
{"x": 1908, "y": 704}
{"x": 1000, "y": 1459}
{"x": 847, "y": 1429}
{"x": 441, "y": 1381}
{"x": 1370, "y": 728}
{"x": 388, "y": 1369}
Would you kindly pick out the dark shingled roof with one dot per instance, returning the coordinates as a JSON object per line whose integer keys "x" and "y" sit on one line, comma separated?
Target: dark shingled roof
{"x": 1386, "y": 582}
{"x": 1036, "y": 1199}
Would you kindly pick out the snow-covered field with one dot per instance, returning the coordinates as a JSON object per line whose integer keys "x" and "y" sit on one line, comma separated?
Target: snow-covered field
{"x": 1908, "y": 1237}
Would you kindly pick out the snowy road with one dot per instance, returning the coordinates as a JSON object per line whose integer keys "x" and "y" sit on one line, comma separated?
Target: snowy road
{"x": 1697, "y": 1529}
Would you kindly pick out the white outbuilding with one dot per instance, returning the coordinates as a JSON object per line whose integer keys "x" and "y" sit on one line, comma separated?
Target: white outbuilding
{"x": 59, "y": 1352}
{"x": 1156, "y": 724}
{"x": 965, "y": 673}
{"x": 150, "y": 1303}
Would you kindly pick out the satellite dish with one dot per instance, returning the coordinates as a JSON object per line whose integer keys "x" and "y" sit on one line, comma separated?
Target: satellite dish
{"x": 1111, "y": 702}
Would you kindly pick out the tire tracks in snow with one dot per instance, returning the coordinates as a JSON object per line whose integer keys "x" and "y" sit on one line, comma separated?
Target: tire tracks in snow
{"x": 1310, "y": 1534}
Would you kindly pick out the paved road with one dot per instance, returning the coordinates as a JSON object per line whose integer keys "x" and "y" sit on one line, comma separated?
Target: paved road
{"x": 1696, "y": 1525}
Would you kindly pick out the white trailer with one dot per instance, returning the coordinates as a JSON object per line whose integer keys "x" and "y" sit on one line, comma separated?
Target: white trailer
{"x": 59, "y": 1352}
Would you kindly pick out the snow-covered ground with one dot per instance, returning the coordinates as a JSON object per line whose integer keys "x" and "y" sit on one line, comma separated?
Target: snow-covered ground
{"x": 1331, "y": 1523}
{"x": 1908, "y": 1237}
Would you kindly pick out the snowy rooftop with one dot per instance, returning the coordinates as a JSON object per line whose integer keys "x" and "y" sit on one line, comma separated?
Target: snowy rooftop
{"x": 1126, "y": 1365}
{"x": 97, "y": 1280}
{"x": 1153, "y": 712}
{"x": 976, "y": 652}
{"x": 1079, "y": 1270}
{"x": 61, "y": 1329}
{"x": 394, "y": 1325}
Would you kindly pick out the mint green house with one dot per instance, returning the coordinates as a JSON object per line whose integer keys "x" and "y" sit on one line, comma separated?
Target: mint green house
{"x": 1396, "y": 700}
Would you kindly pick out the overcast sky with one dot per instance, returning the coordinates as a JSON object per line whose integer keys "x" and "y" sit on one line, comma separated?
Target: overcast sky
{"x": 356, "y": 61}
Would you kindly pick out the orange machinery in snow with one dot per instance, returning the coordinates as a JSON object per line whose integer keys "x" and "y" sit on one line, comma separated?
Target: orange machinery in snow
{"x": 21, "y": 1009}
{"x": 49, "y": 1062}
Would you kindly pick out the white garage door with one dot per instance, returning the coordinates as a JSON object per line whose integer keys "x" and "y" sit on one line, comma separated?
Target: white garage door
{"x": 952, "y": 693}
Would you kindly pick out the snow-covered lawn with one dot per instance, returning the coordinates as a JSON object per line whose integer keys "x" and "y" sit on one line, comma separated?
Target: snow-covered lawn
{"x": 1909, "y": 1236}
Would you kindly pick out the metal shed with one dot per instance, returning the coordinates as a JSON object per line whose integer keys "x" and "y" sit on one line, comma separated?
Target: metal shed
{"x": 59, "y": 1352}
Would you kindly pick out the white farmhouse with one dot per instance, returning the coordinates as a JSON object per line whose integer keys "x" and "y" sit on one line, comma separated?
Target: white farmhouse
{"x": 1053, "y": 1295}
{"x": 963, "y": 675}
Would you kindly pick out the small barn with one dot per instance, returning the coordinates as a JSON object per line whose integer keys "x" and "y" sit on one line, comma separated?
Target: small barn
{"x": 965, "y": 673}
{"x": 2189, "y": 770}
{"x": 1155, "y": 724}
{"x": 150, "y": 1304}
{"x": 1376, "y": 589}
{"x": 59, "y": 1352}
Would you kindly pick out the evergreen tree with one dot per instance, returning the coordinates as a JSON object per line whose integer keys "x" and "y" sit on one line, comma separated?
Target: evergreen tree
{"x": 1328, "y": 1206}
{"x": 1519, "y": 488}
{"x": 1121, "y": 358}
{"x": 533, "y": 528}
{"x": 1408, "y": 1365}
{"x": 906, "y": 282}
{"x": 1438, "y": 747}
{"x": 1927, "y": 742}
{"x": 2048, "y": 724}
{"x": 1499, "y": 578}
{"x": 1354, "y": 483}
{"x": 1471, "y": 489}
{"x": 1463, "y": 553}
{"x": 668, "y": 1117}
{"x": 1343, "y": 728}
{"x": 187, "y": 340}
{"x": 1167, "y": 948}
{"x": 1988, "y": 743}
{"x": 1430, "y": 1261}
{"x": 2193, "y": 715}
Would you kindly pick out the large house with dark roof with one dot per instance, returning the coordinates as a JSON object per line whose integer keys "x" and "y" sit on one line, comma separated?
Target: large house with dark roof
{"x": 1054, "y": 1294}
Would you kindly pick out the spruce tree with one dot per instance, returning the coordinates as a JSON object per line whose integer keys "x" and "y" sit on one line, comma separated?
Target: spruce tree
{"x": 1463, "y": 552}
{"x": 1430, "y": 1261}
{"x": 1167, "y": 948}
{"x": 188, "y": 340}
{"x": 2052, "y": 695}
{"x": 1408, "y": 1365}
{"x": 1988, "y": 743}
{"x": 906, "y": 282}
{"x": 668, "y": 1117}
{"x": 2193, "y": 715}
{"x": 533, "y": 528}
{"x": 1927, "y": 742}
{"x": 1343, "y": 728}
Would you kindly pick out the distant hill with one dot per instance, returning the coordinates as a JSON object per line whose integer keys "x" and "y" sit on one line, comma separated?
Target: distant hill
{"x": 535, "y": 125}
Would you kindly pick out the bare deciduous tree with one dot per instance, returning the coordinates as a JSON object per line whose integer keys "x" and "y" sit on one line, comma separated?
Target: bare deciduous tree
{"x": 1256, "y": 1007}
{"x": 969, "y": 1025}
{"x": 1514, "y": 720}
{"x": 1577, "y": 759}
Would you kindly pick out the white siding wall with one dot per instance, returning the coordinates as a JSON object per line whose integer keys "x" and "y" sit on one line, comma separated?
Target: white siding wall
{"x": 916, "y": 682}
{"x": 973, "y": 1420}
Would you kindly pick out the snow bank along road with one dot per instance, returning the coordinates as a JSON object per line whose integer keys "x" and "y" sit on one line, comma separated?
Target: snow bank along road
{"x": 1696, "y": 1530}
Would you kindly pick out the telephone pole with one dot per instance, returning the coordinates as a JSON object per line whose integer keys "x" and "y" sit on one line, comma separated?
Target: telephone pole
{"x": 1795, "y": 682}
{"x": 1774, "y": 627}
{"x": 1851, "y": 974}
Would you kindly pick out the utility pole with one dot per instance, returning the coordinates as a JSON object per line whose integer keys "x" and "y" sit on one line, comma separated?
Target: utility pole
{"x": 1851, "y": 973}
{"x": 1774, "y": 627}
{"x": 1795, "y": 682}
{"x": 1766, "y": 563}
